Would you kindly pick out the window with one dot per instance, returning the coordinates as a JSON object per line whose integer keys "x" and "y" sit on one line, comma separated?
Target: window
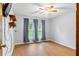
{"x": 39, "y": 29}
{"x": 31, "y": 30}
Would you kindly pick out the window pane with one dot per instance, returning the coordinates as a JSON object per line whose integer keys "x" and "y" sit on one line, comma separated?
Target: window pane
{"x": 39, "y": 29}
{"x": 31, "y": 29}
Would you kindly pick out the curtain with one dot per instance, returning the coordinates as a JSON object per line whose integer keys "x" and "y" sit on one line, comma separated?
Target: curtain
{"x": 36, "y": 29}
{"x": 43, "y": 30}
{"x": 26, "y": 22}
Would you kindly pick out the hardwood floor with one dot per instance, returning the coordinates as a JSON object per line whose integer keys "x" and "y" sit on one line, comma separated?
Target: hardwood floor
{"x": 43, "y": 49}
{"x": 0, "y": 50}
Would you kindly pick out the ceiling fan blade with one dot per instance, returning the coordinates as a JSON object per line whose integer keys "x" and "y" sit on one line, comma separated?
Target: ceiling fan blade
{"x": 50, "y": 7}
{"x": 61, "y": 8}
{"x": 52, "y": 10}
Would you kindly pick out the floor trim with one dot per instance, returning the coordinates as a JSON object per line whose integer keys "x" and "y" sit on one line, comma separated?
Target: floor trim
{"x": 62, "y": 45}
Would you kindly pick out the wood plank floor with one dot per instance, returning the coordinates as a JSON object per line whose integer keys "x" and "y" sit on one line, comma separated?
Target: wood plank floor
{"x": 0, "y": 50}
{"x": 43, "y": 49}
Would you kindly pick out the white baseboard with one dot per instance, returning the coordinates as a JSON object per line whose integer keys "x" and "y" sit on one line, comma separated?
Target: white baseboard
{"x": 18, "y": 43}
{"x": 63, "y": 44}
{"x": 24, "y": 43}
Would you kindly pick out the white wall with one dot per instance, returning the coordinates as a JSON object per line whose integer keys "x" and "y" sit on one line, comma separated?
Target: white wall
{"x": 48, "y": 30}
{"x": 63, "y": 29}
{"x": 19, "y": 30}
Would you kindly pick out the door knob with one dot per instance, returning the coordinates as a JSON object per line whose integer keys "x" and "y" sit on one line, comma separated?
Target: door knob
{"x": 2, "y": 45}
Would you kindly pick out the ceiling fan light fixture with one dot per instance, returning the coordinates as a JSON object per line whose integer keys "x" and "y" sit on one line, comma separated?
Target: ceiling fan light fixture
{"x": 51, "y": 6}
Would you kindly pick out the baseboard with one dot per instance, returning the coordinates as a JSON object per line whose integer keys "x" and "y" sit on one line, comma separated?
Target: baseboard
{"x": 18, "y": 43}
{"x": 63, "y": 44}
{"x": 22, "y": 43}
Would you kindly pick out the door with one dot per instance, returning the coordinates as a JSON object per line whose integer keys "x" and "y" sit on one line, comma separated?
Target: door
{"x": 7, "y": 37}
{"x": 2, "y": 44}
{"x": 6, "y": 32}
{"x": 1, "y": 31}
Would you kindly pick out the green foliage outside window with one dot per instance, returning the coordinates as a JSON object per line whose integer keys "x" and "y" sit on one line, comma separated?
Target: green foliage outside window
{"x": 31, "y": 29}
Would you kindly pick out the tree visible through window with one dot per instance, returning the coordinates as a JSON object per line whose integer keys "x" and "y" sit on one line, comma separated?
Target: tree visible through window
{"x": 39, "y": 29}
{"x": 31, "y": 29}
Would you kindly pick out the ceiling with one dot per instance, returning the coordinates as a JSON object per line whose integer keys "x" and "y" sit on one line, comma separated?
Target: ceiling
{"x": 28, "y": 9}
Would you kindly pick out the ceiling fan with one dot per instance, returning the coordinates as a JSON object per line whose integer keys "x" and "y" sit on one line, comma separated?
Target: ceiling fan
{"x": 49, "y": 8}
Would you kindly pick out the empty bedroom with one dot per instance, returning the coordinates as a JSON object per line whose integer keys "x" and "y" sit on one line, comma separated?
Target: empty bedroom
{"x": 39, "y": 29}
